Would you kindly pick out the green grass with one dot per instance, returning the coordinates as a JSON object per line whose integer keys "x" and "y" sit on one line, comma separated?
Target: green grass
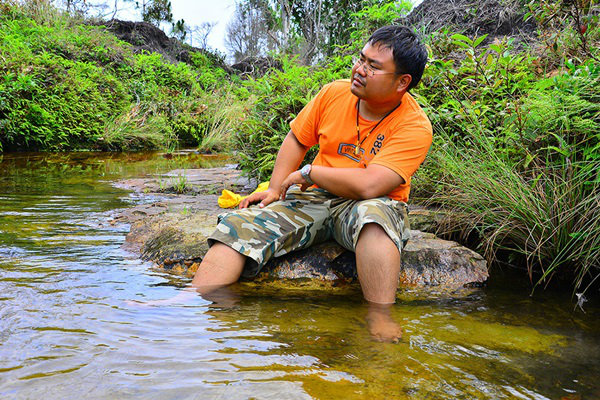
{"x": 516, "y": 155}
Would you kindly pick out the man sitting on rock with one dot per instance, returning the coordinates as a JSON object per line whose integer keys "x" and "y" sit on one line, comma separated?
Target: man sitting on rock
{"x": 372, "y": 137}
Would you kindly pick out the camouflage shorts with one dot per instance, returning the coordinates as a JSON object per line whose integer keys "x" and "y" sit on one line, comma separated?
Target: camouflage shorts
{"x": 303, "y": 219}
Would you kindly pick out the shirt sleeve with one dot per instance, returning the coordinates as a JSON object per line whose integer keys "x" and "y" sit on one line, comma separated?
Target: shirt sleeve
{"x": 306, "y": 124}
{"x": 405, "y": 150}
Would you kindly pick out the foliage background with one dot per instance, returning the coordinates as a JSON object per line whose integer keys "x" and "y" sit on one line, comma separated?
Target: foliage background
{"x": 68, "y": 85}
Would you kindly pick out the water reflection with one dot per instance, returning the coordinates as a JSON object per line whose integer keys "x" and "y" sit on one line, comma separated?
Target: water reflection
{"x": 68, "y": 330}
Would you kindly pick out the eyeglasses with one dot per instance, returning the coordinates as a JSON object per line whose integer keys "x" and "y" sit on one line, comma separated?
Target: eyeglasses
{"x": 368, "y": 68}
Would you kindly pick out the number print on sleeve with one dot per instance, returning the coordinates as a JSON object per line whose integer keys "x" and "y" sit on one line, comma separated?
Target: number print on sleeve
{"x": 377, "y": 145}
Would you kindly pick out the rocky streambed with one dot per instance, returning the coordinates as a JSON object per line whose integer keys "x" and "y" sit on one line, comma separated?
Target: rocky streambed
{"x": 171, "y": 232}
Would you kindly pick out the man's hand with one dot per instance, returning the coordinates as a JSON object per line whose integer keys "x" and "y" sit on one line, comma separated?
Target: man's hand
{"x": 295, "y": 178}
{"x": 263, "y": 198}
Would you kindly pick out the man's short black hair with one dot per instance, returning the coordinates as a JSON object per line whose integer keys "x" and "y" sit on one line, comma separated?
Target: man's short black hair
{"x": 410, "y": 55}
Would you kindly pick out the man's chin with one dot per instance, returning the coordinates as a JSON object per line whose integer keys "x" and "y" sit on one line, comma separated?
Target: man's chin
{"x": 357, "y": 91}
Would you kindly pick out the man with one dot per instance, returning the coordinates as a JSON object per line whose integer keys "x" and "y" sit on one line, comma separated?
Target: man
{"x": 372, "y": 136}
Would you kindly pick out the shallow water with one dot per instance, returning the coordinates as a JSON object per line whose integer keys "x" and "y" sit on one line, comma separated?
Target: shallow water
{"x": 69, "y": 330}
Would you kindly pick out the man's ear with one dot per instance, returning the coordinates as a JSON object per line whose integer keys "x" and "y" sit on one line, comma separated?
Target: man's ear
{"x": 403, "y": 81}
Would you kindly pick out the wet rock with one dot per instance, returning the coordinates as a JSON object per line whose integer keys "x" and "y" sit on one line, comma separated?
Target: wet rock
{"x": 430, "y": 261}
{"x": 177, "y": 243}
{"x": 426, "y": 220}
{"x": 426, "y": 261}
{"x": 191, "y": 181}
{"x": 172, "y": 237}
{"x": 172, "y": 233}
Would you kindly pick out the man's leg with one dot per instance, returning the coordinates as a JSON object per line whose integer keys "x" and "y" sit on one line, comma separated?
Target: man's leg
{"x": 221, "y": 266}
{"x": 377, "y": 264}
{"x": 375, "y": 229}
{"x": 246, "y": 239}
{"x": 378, "y": 267}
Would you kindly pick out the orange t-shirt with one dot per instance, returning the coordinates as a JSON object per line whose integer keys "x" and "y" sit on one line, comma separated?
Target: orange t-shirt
{"x": 400, "y": 142}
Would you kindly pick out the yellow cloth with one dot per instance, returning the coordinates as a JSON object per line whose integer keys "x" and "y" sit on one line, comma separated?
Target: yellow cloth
{"x": 228, "y": 199}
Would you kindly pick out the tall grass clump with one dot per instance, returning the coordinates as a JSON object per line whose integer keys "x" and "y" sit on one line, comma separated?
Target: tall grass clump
{"x": 221, "y": 124}
{"x": 546, "y": 219}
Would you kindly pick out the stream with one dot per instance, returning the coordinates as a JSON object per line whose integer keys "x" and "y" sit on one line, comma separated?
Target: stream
{"x": 70, "y": 327}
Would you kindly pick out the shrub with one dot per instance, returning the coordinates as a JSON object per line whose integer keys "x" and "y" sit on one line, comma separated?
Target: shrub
{"x": 55, "y": 103}
{"x": 211, "y": 76}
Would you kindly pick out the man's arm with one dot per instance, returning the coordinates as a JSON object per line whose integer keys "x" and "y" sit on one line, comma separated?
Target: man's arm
{"x": 351, "y": 183}
{"x": 290, "y": 155}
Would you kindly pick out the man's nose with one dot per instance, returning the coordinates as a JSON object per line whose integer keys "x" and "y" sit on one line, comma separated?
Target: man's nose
{"x": 362, "y": 69}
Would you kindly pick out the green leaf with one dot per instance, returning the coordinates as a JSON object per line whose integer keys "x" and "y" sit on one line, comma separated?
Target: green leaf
{"x": 578, "y": 235}
{"x": 461, "y": 38}
{"x": 544, "y": 83}
{"x": 496, "y": 48}
{"x": 479, "y": 40}
{"x": 528, "y": 159}
{"x": 462, "y": 44}
{"x": 562, "y": 152}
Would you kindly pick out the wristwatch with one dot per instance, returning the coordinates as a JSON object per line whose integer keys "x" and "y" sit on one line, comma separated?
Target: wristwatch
{"x": 305, "y": 172}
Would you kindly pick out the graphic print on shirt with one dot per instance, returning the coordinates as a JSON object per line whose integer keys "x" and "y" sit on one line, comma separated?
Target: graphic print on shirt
{"x": 347, "y": 150}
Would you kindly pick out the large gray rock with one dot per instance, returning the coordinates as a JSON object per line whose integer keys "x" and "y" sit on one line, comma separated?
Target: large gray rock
{"x": 172, "y": 231}
{"x": 176, "y": 242}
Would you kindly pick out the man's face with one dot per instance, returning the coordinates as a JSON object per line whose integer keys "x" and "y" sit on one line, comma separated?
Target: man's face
{"x": 374, "y": 75}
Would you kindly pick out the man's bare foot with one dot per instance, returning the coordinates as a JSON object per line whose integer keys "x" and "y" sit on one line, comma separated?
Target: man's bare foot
{"x": 381, "y": 325}
{"x": 182, "y": 297}
{"x": 220, "y": 296}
